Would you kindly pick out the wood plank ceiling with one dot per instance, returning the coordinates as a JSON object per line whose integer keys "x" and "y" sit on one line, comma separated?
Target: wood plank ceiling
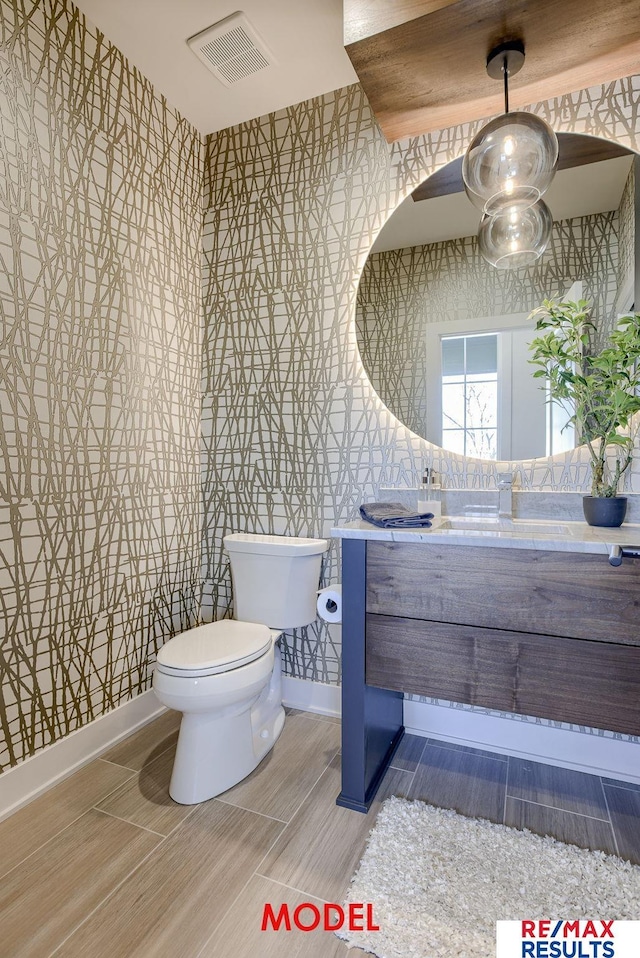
{"x": 422, "y": 62}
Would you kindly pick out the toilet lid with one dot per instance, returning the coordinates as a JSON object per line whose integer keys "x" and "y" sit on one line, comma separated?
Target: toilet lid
{"x": 215, "y": 647}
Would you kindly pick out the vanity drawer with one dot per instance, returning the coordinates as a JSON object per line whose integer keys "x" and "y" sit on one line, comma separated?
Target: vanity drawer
{"x": 566, "y": 594}
{"x": 569, "y": 680}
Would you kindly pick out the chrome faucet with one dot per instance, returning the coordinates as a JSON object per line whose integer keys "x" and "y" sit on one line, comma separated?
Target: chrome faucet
{"x": 505, "y": 495}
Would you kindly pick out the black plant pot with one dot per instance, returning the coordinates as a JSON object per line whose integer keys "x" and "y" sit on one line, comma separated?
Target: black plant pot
{"x": 599, "y": 511}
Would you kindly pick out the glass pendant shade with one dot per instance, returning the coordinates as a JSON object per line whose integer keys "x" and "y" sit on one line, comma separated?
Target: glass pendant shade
{"x": 510, "y": 162}
{"x": 515, "y": 237}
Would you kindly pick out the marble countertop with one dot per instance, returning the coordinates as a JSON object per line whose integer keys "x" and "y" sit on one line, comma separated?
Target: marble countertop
{"x": 554, "y": 536}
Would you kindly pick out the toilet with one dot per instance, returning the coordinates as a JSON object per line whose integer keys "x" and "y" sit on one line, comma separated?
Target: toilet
{"x": 225, "y": 677}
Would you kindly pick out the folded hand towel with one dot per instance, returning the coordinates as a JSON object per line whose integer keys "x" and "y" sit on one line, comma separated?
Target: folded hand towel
{"x": 393, "y": 515}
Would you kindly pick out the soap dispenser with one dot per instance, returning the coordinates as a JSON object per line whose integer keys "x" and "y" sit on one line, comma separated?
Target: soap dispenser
{"x": 429, "y": 496}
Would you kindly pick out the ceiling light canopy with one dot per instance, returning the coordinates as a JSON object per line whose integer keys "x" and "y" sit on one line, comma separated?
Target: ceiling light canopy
{"x": 509, "y": 165}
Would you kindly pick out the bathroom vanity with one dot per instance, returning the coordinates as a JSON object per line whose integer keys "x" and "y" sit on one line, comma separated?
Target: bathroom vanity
{"x": 529, "y": 618}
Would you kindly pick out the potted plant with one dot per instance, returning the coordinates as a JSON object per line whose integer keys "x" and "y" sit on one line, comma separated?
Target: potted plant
{"x": 601, "y": 390}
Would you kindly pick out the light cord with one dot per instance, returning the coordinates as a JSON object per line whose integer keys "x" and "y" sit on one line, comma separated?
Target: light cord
{"x": 505, "y": 70}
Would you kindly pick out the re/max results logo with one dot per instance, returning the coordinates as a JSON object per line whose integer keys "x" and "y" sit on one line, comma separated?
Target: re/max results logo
{"x": 567, "y": 938}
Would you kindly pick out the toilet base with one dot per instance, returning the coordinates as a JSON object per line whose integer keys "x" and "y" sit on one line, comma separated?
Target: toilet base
{"x": 217, "y": 750}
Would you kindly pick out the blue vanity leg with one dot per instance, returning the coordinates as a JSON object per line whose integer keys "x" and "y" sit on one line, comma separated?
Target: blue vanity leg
{"x": 371, "y": 717}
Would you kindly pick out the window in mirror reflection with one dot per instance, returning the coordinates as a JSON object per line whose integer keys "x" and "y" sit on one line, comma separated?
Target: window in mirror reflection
{"x": 470, "y": 395}
{"x": 483, "y": 381}
{"x": 561, "y": 435}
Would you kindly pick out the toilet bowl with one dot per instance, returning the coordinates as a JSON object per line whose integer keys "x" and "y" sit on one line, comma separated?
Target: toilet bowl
{"x": 232, "y": 710}
{"x": 225, "y": 677}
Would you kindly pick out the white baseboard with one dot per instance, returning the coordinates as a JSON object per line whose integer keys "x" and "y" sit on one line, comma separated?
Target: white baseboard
{"x": 33, "y": 776}
{"x": 311, "y": 696}
{"x": 595, "y": 754}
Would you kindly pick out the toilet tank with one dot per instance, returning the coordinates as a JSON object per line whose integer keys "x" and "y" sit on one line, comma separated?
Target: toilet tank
{"x": 275, "y": 578}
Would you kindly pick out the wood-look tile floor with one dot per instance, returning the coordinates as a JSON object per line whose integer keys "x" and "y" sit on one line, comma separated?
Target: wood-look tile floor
{"x": 105, "y": 865}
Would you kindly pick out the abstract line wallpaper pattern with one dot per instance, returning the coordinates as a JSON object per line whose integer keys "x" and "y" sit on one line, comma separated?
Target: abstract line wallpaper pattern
{"x": 100, "y": 340}
{"x": 294, "y": 436}
{"x": 401, "y": 290}
{"x": 100, "y": 231}
{"x": 625, "y": 280}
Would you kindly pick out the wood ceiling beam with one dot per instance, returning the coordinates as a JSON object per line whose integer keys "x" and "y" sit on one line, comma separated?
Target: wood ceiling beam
{"x": 428, "y": 72}
{"x": 365, "y": 18}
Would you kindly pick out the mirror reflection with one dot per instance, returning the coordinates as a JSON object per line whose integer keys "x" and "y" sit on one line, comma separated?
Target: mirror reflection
{"x": 444, "y": 337}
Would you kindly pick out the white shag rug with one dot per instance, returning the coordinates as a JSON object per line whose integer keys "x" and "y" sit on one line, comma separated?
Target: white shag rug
{"x": 439, "y": 882}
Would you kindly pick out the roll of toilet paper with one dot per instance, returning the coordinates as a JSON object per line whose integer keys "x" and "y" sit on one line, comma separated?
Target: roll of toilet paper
{"x": 329, "y": 604}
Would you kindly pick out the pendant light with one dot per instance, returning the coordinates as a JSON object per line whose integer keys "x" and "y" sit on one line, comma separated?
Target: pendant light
{"x": 515, "y": 237}
{"x": 509, "y": 165}
{"x": 512, "y": 160}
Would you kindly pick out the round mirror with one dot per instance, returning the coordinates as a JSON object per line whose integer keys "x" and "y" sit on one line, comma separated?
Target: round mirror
{"x": 444, "y": 337}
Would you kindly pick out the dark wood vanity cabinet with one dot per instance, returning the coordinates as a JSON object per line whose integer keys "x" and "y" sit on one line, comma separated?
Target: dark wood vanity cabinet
{"x": 549, "y": 634}
{"x": 541, "y": 633}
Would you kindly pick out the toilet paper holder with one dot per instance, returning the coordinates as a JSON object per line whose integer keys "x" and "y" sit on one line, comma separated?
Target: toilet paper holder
{"x": 329, "y": 604}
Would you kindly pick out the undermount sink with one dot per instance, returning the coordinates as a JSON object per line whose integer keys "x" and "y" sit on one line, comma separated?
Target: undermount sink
{"x": 533, "y": 527}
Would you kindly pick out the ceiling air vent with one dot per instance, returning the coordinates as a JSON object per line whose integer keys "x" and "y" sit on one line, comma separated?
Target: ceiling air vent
{"x": 231, "y": 49}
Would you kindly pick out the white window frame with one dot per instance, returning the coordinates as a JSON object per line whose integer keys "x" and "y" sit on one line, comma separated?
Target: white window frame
{"x": 435, "y": 332}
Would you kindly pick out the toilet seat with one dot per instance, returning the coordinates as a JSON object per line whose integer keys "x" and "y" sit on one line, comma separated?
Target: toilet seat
{"x": 213, "y": 648}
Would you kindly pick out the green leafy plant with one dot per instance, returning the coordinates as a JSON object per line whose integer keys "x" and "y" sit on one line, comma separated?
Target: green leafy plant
{"x": 602, "y": 389}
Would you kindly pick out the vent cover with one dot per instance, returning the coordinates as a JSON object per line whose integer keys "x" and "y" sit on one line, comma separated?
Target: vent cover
{"x": 231, "y": 49}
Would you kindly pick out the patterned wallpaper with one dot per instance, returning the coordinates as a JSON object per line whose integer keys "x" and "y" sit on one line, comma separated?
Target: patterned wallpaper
{"x": 626, "y": 244}
{"x": 100, "y": 234}
{"x": 294, "y": 436}
{"x": 100, "y": 227}
{"x": 402, "y": 290}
